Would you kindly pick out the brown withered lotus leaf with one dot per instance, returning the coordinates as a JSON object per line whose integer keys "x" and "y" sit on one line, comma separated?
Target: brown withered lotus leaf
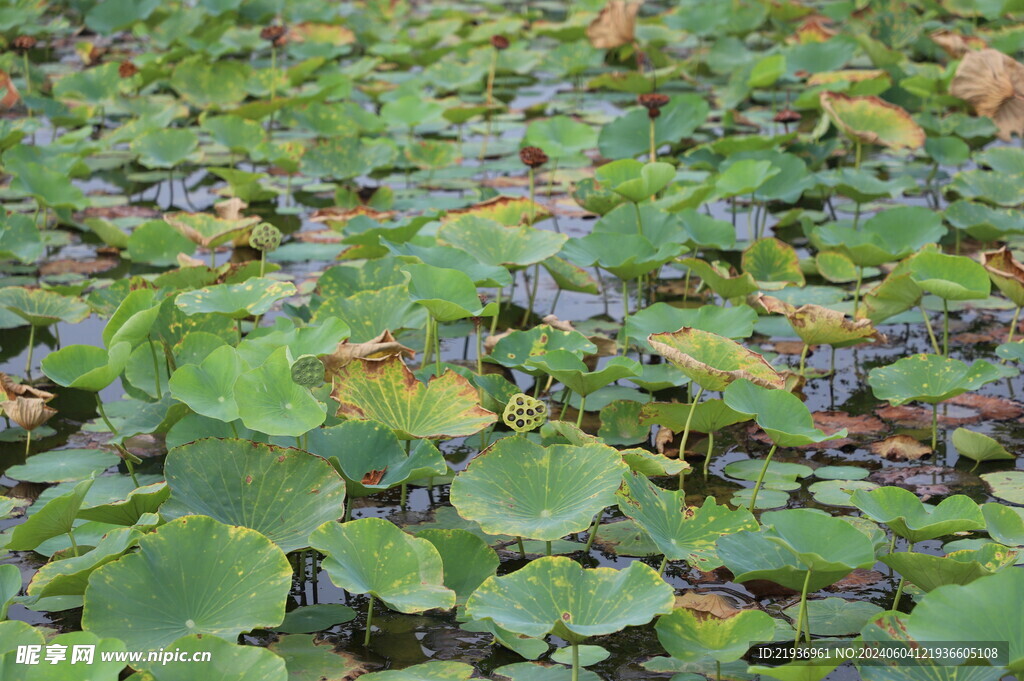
{"x": 989, "y": 408}
{"x": 230, "y": 209}
{"x": 28, "y": 412}
{"x": 704, "y": 605}
{"x": 341, "y": 216}
{"x": 120, "y": 211}
{"x": 900, "y": 448}
{"x": 844, "y": 76}
{"x": 858, "y": 579}
{"x": 955, "y": 44}
{"x": 10, "y": 96}
{"x": 614, "y": 26}
{"x": 993, "y": 84}
{"x": 863, "y": 424}
{"x": 815, "y": 29}
{"x": 1006, "y": 273}
{"x": 381, "y": 347}
{"x": 514, "y": 210}
{"x": 319, "y": 236}
{"x": 920, "y": 417}
{"x": 14, "y": 390}
{"x": 817, "y": 325}
{"x": 71, "y": 266}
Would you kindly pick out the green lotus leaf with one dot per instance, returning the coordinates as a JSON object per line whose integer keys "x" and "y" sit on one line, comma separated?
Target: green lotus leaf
{"x": 870, "y": 120}
{"x": 10, "y": 585}
{"x": 127, "y": 507}
{"x": 620, "y": 423}
{"x": 518, "y": 347}
{"x": 561, "y": 137}
{"x": 896, "y": 294}
{"x": 915, "y": 521}
{"x": 570, "y": 371}
{"x": 997, "y": 189}
{"x": 232, "y": 662}
{"x": 1006, "y": 485}
{"x": 48, "y": 186}
{"x": 62, "y": 465}
{"x": 709, "y": 416}
{"x": 40, "y": 307}
{"x": 310, "y": 618}
{"x": 799, "y": 670}
{"x": 251, "y": 298}
{"x": 681, "y": 532}
{"x": 793, "y": 543}
{"x": 979, "y": 447}
{"x": 836, "y": 616}
{"x": 217, "y": 84}
{"x": 941, "y": 615}
{"x": 837, "y": 492}
{"x": 101, "y": 668}
{"x": 273, "y": 404}
{"x": 720, "y": 281}
{"x": 69, "y": 576}
{"x": 772, "y": 263}
{"x": 776, "y": 472}
{"x": 371, "y": 458}
{"x": 133, "y": 320}
{"x": 370, "y": 313}
{"x": 555, "y": 595}
{"x": 517, "y": 487}
{"x": 19, "y": 238}
{"x": 448, "y": 294}
{"x": 951, "y": 277}
{"x": 960, "y": 567}
{"x": 307, "y": 659}
{"x": 744, "y": 177}
{"x": 449, "y": 257}
{"x": 931, "y": 378}
{"x": 434, "y": 670}
{"x": 712, "y": 361}
{"x": 982, "y": 222}
{"x": 386, "y": 391}
{"x": 54, "y": 518}
{"x": 208, "y": 230}
{"x": 594, "y": 197}
{"x": 633, "y": 180}
{"x": 176, "y": 585}
{"x": 410, "y": 580}
{"x": 835, "y": 267}
{"x": 511, "y": 211}
{"x": 655, "y": 377}
{"x": 281, "y": 493}
{"x": 165, "y": 147}
{"x": 234, "y": 132}
{"x": 629, "y": 135}
{"x": 731, "y": 322}
{"x": 493, "y": 243}
{"x": 1004, "y": 523}
{"x": 627, "y": 256}
{"x": 688, "y": 638}
{"x": 889, "y": 235}
{"x": 467, "y": 559}
{"x": 535, "y": 671}
{"x": 209, "y": 387}
{"x": 817, "y": 325}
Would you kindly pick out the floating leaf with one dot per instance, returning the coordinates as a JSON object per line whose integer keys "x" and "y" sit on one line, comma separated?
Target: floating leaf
{"x": 931, "y": 378}
{"x": 252, "y": 298}
{"x": 915, "y": 521}
{"x": 688, "y": 638}
{"x": 712, "y": 361}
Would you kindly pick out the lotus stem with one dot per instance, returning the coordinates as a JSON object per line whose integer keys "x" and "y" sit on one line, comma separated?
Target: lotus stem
{"x": 686, "y": 432}
{"x": 28, "y": 74}
{"x": 625, "y": 313}
{"x": 803, "y": 357}
{"x": 428, "y": 345}
{"x": 856, "y": 291}
{"x": 494, "y": 320}
{"x": 707, "y": 457}
{"x": 857, "y": 156}
{"x": 800, "y": 612}
{"x": 74, "y": 544}
{"x": 935, "y": 425}
{"x": 654, "y": 149}
{"x": 945, "y": 327}
{"x": 28, "y": 442}
{"x": 313, "y": 575}
{"x": 899, "y": 594}
{"x": 533, "y": 294}
{"x": 263, "y": 262}
{"x": 547, "y": 548}
{"x": 479, "y": 349}
{"x": 522, "y": 549}
{"x": 583, "y": 405}
{"x": 369, "y": 621}
{"x": 661, "y": 568}
{"x": 128, "y": 458}
{"x": 718, "y": 670}
{"x": 1013, "y": 326}
{"x": 639, "y": 220}
{"x": 931, "y": 333}
{"x": 437, "y": 347}
{"x": 593, "y": 530}
{"x": 490, "y": 76}
{"x": 575, "y": 662}
{"x": 405, "y": 495}
{"x": 760, "y": 477}
{"x": 156, "y": 366}
{"x": 31, "y": 348}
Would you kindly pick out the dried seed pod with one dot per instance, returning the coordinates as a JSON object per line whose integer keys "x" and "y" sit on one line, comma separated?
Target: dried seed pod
{"x": 127, "y": 69}
{"x": 273, "y": 32}
{"x": 787, "y": 116}
{"x": 24, "y": 43}
{"x": 652, "y": 100}
{"x": 499, "y": 42}
{"x": 524, "y": 413}
{"x": 533, "y": 157}
{"x": 308, "y": 371}
{"x": 265, "y": 237}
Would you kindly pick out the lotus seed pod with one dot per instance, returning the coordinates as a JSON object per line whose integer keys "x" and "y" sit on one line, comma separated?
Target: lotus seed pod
{"x": 308, "y": 371}
{"x": 265, "y": 237}
{"x": 523, "y": 413}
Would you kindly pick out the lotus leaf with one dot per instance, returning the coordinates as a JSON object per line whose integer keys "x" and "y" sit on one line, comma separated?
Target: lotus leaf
{"x": 915, "y": 521}
{"x": 428, "y": 671}
{"x": 951, "y": 277}
{"x": 688, "y": 638}
{"x": 493, "y": 243}
{"x": 515, "y": 349}
{"x": 730, "y": 322}
{"x": 889, "y": 235}
{"x": 570, "y": 371}
{"x": 627, "y": 256}
{"x": 447, "y": 294}
{"x": 816, "y": 325}
{"x": 309, "y": 618}
{"x": 62, "y": 465}
{"x": 254, "y": 297}
{"x": 208, "y": 230}
{"x": 1006, "y": 485}
{"x": 713, "y": 361}
{"x": 978, "y": 447}
{"x": 633, "y": 180}
{"x": 1004, "y": 523}
{"x": 275, "y": 405}
{"x": 209, "y": 387}
{"x": 176, "y": 585}
{"x": 40, "y": 307}
{"x": 782, "y": 416}
{"x": 232, "y": 662}
{"x": 870, "y": 120}
{"x": 520, "y": 488}
{"x": 959, "y": 567}
{"x": 55, "y": 517}
{"x": 467, "y": 559}
{"x": 931, "y": 378}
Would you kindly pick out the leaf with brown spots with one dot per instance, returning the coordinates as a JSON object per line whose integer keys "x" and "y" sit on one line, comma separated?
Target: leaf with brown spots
{"x": 387, "y": 391}
{"x": 816, "y": 325}
{"x": 713, "y": 361}
{"x": 508, "y": 210}
{"x": 373, "y": 477}
{"x": 380, "y": 347}
{"x": 900, "y": 448}
{"x": 337, "y": 217}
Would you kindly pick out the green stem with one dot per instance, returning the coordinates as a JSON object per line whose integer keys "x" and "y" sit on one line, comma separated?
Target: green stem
{"x": 479, "y": 349}
{"x": 74, "y": 544}
{"x": 664, "y": 562}
{"x": 899, "y": 594}
{"x": 437, "y": 347}
{"x": 686, "y": 432}
{"x": 369, "y": 621}
{"x": 522, "y": 549}
{"x": 575, "y": 662}
{"x": 760, "y": 477}
{"x": 156, "y": 366}
{"x": 31, "y": 348}
{"x": 718, "y": 670}
{"x": 263, "y": 262}
{"x": 579, "y": 416}
{"x": 1013, "y": 326}
{"x": 28, "y": 74}
{"x": 856, "y": 291}
{"x": 593, "y": 530}
{"x": 707, "y": 457}
{"x": 803, "y": 358}
{"x": 639, "y": 220}
{"x": 931, "y": 333}
{"x": 856, "y": 158}
{"x": 547, "y": 548}
{"x": 494, "y": 320}
{"x": 533, "y": 294}
{"x": 428, "y": 345}
{"x": 654, "y": 149}
{"x": 28, "y": 442}
{"x": 935, "y": 425}
{"x": 945, "y": 327}
{"x": 128, "y": 457}
{"x": 800, "y": 613}
{"x": 625, "y": 313}
{"x": 234, "y": 429}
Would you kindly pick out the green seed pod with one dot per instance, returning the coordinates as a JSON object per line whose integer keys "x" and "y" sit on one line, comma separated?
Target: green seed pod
{"x": 308, "y": 371}
{"x": 265, "y": 237}
{"x": 524, "y": 413}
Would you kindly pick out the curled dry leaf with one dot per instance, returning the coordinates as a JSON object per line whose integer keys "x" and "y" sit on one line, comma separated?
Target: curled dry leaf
{"x": 9, "y": 96}
{"x": 336, "y": 216}
{"x": 815, "y": 324}
{"x": 1006, "y": 273}
{"x": 28, "y": 412}
{"x": 614, "y": 26}
{"x": 955, "y": 44}
{"x": 993, "y": 84}
{"x": 989, "y": 407}
{"x": 920, "y": 417}
{"x": 707, "y": 604}
{"x": 900, "y": 448}
{"x": 14, "y": 390}
{"x": 858, "y": 579}
{"x": 69, "y": 266}
{"x": 865, "y": 424}
{"x": 662, "y": 439}
{"x": 230, "y": 209}
{"x": 381, "y": 347}
{"x": 554, "y": 322}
